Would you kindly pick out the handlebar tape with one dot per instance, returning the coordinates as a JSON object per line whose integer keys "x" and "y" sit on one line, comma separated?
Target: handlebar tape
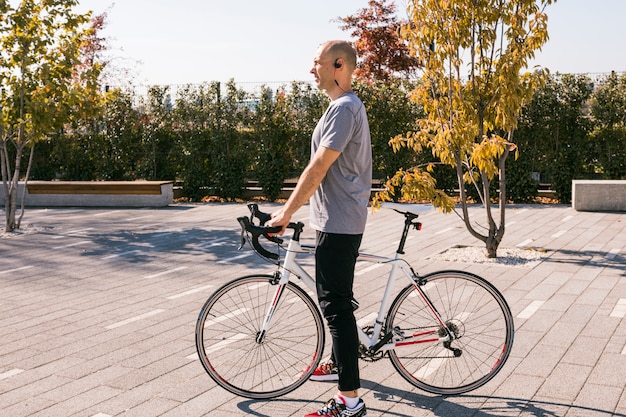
{"x": 264, "y": 231}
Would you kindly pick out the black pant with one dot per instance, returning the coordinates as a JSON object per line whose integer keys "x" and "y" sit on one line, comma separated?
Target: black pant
{"x": 335, "y": 257}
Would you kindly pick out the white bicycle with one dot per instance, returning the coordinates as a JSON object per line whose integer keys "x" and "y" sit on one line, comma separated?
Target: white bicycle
{"x": 262, "y": 336}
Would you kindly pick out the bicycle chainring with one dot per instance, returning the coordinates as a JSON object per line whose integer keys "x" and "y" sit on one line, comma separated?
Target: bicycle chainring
{"x": 367, "y": 355}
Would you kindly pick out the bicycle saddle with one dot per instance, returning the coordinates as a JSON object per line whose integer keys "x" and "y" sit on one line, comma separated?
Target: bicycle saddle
{"x": 415, "y": 209}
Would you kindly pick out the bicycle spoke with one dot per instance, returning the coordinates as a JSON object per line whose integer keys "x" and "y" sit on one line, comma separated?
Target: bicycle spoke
{"x": 227, "y": 330}
{"x": 476, "y": 316}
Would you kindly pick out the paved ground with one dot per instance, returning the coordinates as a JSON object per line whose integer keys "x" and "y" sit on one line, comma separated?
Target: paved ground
{"x": 98, "y": 308}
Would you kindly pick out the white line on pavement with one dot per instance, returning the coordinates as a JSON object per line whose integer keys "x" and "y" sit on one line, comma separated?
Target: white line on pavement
{"x": 8, "y": 271}
{"x": 134, "y": 319}
{"x": 559, "y": 233}
{"x": 620, "y": 309}
{"x": 106, "y": 213}
{"x": 220, "y": 345}
{"x": 9, "y": 374}
{"x": 225, "y": 317}
{"x": 82, "y": 242}
{"x": 169, "y": 271}
{"x": 116, "y": 255}
{"x": 524, "y": 243}
{"x": 431, "y": 366}
{"x": 367, "y": 320}
{"x": 530, "y": 309}
{"x": 447, "y": 229}
{"x": 160, "y": 235}
{"x": 612, "y": 253}
{"x": 72, "y": 232}
{"x": 211, "y": 243}
{"x": 234, "y": 258}
{"x": 368, "y": 269}
{"x": 193, "y": 291}
{"x": 566, "y": 218}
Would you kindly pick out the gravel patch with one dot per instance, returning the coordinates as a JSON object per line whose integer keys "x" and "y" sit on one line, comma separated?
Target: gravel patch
{"x": 524, "y": 257}
{"x": 29, "y": 229}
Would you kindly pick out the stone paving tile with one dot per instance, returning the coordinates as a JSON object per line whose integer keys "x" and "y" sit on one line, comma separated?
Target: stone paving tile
{"x": 97, "y": 314}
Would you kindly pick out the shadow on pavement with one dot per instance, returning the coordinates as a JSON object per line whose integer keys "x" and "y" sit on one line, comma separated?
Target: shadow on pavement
{"x": 439, "y": 406}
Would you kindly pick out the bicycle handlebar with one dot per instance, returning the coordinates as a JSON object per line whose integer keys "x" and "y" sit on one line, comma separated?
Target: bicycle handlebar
{"x": 256, "y": 231}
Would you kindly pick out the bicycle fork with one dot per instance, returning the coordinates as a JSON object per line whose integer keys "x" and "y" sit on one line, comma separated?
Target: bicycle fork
{"x": 260, "y": 337}
{"x": 280, "y": 279}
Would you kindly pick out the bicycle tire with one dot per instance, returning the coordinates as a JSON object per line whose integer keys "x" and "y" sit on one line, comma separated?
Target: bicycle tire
{"x": 480, "y": 318}
{"x": 226, "y": 338}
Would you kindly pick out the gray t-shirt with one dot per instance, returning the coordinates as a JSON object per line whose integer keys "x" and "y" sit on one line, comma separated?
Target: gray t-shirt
{"x": 339, "y": 205}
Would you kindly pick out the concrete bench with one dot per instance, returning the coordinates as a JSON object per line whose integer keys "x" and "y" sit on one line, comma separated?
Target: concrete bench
{"x": 95, "y": 193}
{"x": 599, "y": 195}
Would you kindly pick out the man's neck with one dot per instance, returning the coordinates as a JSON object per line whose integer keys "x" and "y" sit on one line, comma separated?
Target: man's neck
{"x": 337, "y": 92}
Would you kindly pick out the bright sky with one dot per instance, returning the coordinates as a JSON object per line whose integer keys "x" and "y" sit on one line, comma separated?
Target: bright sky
{"x": 192, "y": 41}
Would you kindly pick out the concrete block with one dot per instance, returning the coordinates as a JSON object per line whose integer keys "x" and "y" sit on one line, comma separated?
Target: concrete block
{"x": 599, "y": 195}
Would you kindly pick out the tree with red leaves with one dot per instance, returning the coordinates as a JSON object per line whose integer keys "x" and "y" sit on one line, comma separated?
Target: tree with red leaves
{"x": 384, "y": 55}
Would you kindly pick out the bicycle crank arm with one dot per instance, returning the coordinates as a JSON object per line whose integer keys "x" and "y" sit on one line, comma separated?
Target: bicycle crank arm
{"x": 386, "y": 338}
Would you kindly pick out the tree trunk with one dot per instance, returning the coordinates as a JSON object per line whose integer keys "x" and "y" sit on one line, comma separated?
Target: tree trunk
{"x": 491, "y": 244}
{"x": 10, "y": 187}
{"x": 23, "y": 196}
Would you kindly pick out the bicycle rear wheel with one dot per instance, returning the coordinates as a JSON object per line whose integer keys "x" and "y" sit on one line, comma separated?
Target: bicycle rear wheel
{"x": 227, "y": 345}
{"x": 476, "y": 315}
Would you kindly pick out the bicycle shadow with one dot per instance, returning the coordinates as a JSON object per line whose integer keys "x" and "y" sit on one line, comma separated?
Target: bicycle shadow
{"x": 437, "y": 406}
{"x": 588, "y": 258}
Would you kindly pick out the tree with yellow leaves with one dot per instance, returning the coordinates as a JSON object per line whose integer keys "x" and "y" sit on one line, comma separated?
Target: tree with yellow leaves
{"x": 48, "y": 77}
{"x": 475, "y": 55}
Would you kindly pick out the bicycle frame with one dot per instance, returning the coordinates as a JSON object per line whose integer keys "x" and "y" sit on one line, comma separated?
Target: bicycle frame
{"x": 373, "y": 343}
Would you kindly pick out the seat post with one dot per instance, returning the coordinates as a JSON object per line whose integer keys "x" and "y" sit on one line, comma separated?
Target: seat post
{"x": 408, "y": 221}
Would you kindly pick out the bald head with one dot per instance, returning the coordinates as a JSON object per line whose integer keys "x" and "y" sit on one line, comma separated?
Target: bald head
{"x": 340, "y": 49}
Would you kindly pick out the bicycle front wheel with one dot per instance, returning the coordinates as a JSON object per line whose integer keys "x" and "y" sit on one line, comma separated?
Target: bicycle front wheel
{"x": 233, "y": 354}
{"x": 477, "y": 320}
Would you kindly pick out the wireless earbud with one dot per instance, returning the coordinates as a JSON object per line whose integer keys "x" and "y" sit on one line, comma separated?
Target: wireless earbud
{"x": 337, "y": 64}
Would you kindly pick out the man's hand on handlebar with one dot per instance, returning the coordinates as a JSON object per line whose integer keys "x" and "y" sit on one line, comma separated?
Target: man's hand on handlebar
{"x": 280, "y": 218}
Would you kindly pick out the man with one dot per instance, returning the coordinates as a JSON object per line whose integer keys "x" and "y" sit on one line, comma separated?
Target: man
{"x": 337, "y": 181}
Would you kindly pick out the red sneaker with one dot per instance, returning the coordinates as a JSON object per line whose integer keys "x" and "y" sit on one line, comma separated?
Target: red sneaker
{"x": 326, "y": 371}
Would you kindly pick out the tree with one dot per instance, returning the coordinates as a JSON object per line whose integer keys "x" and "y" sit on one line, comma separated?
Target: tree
{"x": 384, "y": 55}
{"x": 474, "y": 53}
{"x": 158, "y": 156}
{"x": 272, "y": 136}
{"x": 45, "y": 81}
{"x": 608, "y": 108}
{"x": 554, "y": 131}
{"x": 389, "y": 114}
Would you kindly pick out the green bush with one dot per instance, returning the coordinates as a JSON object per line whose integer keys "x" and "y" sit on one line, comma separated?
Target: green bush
{"x": 390, "y": 113}
{"x": 520, "y": 185}
{"x": 272, "y": 135}
{"x": 213, "y": 137}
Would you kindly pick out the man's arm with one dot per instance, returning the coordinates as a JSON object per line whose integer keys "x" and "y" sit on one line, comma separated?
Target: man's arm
{"x": 310, "y": 179}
